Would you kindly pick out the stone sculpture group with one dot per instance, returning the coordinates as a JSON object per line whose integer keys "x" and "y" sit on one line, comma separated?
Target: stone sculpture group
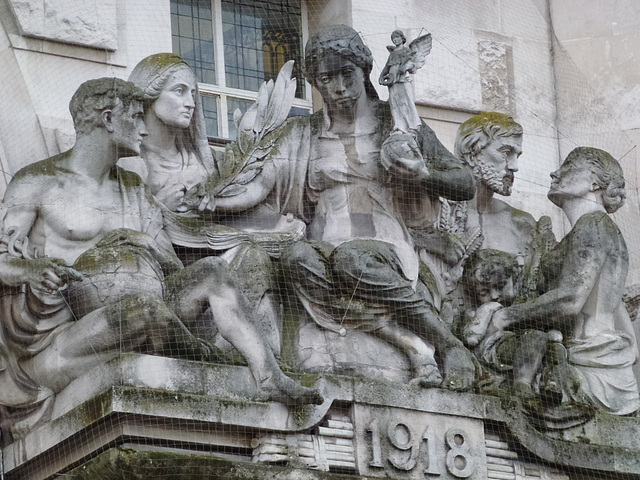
{"x": 355, "y": 214}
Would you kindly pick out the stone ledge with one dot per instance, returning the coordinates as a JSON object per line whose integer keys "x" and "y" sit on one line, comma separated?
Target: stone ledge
{"x": 129, "y": 464}
{"x": 206, "y": 407}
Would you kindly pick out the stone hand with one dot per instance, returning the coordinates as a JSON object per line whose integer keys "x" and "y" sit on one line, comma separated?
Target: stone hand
{"x": 401, "y": 157}
{"x": 172, "y": 197}
{"x": 193, "y": 198}
{"x": 453, "y": 249}
{"x": 498, "y": 322}
{"x": 448, "y": 247}
{"x": 207, "y": 202}
{"x": 50, "y": 274}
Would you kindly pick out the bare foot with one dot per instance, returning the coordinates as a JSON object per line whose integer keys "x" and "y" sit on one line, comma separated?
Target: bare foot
{"x": 551, "y": 391}
{"x": 426, "y": 376}
{"x": 459, "y": 370}
{"x": 280, "y": 388}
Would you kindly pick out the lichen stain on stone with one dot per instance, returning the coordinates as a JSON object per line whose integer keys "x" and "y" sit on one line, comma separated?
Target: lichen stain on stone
{"x": 487, "y": 119}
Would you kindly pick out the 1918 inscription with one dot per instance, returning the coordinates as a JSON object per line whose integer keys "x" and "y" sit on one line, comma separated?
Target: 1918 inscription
{"x": 409, "y": 444}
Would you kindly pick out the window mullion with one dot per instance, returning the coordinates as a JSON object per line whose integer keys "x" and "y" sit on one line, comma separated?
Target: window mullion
{"x": 308, "y": 89}
{"x": 223, "y": 119}
{"x": 221, "y": 81}
{"x": 218, "y": 43}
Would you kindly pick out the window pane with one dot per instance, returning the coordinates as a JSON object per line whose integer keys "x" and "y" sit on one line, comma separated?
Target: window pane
{"x": 210, "y": 108}
{"x": 232, "y": 104}
{"x": 259, "y": 37}
{"x": 192, "y": 35}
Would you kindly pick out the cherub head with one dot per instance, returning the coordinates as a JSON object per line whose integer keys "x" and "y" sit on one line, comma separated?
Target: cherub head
{"x": 489, "y": 280}
{"x": 491, "y": 276}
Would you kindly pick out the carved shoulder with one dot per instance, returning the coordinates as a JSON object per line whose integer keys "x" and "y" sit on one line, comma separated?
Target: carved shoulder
{"x": 30, "y": 182}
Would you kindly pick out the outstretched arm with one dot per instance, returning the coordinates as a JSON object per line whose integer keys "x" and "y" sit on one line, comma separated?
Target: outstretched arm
{"x": 449, "y": 177}
{"x": 589, "y": 244}
{"x": 426, "y": 164}
{"x": 256, "y": 191}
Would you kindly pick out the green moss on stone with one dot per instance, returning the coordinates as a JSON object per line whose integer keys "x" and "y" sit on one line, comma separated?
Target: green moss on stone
{"x": 129, "y": 464}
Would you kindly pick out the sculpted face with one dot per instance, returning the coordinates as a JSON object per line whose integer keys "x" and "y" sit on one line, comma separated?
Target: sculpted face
{"x": 573, "y": 179}
{"x": 397, "y": 39}
{"x": 128, "y": 129}
{"x": 340, "y": 82}
{"x": 176, "y": 102}
{"x": 503, "y": 293}
{"x": 498, "y": 162}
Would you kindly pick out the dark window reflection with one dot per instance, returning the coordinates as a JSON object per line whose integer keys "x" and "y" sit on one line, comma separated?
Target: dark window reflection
{"x": 192, "y": 36}
{"x": 210, "y": 107}
{"x": 259, "y": 37}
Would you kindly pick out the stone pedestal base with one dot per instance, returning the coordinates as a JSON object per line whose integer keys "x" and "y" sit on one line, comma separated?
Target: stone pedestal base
{"x": 144, "y": 417}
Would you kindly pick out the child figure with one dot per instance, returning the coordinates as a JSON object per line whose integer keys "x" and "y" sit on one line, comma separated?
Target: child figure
{"x": 490, "y": 280}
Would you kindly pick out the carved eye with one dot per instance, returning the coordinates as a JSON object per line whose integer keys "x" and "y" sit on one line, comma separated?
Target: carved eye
{"x": 324, "y": 79}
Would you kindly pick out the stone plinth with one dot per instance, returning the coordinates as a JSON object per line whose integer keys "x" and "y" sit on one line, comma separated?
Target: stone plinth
{"x": 154, "y": 417}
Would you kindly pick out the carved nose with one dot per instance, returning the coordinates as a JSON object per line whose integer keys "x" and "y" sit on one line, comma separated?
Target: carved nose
{"x": 189, "y": 101}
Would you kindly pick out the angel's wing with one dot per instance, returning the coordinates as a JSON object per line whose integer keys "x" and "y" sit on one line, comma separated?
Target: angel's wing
{"x": 420, "y": 48}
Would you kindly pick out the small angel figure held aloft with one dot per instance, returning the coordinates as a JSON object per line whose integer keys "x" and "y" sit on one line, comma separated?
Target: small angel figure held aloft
{"x": 403, "y": 62}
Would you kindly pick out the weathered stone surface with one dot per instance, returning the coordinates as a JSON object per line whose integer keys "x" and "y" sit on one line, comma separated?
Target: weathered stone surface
{"x": 388, "y": 431}
{"x": 496, "y": 70}
{"x": 378, "y": 313}
{"x": 601, "y": 342}
{"x": 360, "y": 175}
{"x": 76, "y": 300}
{"x": 92, "y": 23}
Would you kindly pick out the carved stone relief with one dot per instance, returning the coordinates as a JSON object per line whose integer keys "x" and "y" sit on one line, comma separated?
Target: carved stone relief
{"x": 496, "y": 75}
{"x": 92, "y": 23}
{"x": 350, "y": 245}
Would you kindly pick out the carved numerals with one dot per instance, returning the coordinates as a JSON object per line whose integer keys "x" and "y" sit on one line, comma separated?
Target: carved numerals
{"x": 405, "y": 447}
{"x": 458, "y": 460}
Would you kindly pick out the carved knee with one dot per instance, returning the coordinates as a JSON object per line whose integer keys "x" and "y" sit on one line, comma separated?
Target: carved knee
{"x": 301, "y": 260}
{"x": 141, "y": 318}
{"x": 213, "y": 271}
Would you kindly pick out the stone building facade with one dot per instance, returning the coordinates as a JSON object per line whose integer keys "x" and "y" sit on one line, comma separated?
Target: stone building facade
{"x": 569, "y": 80}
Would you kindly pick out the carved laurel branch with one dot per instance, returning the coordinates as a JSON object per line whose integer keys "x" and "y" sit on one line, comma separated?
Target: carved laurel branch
{"x": 257, "y": 135}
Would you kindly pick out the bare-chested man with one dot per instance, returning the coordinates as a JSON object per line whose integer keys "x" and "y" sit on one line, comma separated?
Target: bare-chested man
{"x": 79, "y": 209}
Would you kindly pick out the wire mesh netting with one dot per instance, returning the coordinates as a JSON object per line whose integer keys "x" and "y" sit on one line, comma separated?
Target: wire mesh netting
{"x": 408, "y": 252}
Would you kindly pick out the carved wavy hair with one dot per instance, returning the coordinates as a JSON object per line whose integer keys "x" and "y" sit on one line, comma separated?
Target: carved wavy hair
{"x": 608, "y": 175}
{"x": 339, "y": 40}
{"x": 477, "y": 132}
{"x": 488, "y": 267}
{"x": 151, "y": 75}
{"x": 95, "y": 96}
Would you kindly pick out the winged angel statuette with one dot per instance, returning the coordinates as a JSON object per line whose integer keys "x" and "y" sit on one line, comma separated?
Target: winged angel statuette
{"x": 403, "y": 62}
